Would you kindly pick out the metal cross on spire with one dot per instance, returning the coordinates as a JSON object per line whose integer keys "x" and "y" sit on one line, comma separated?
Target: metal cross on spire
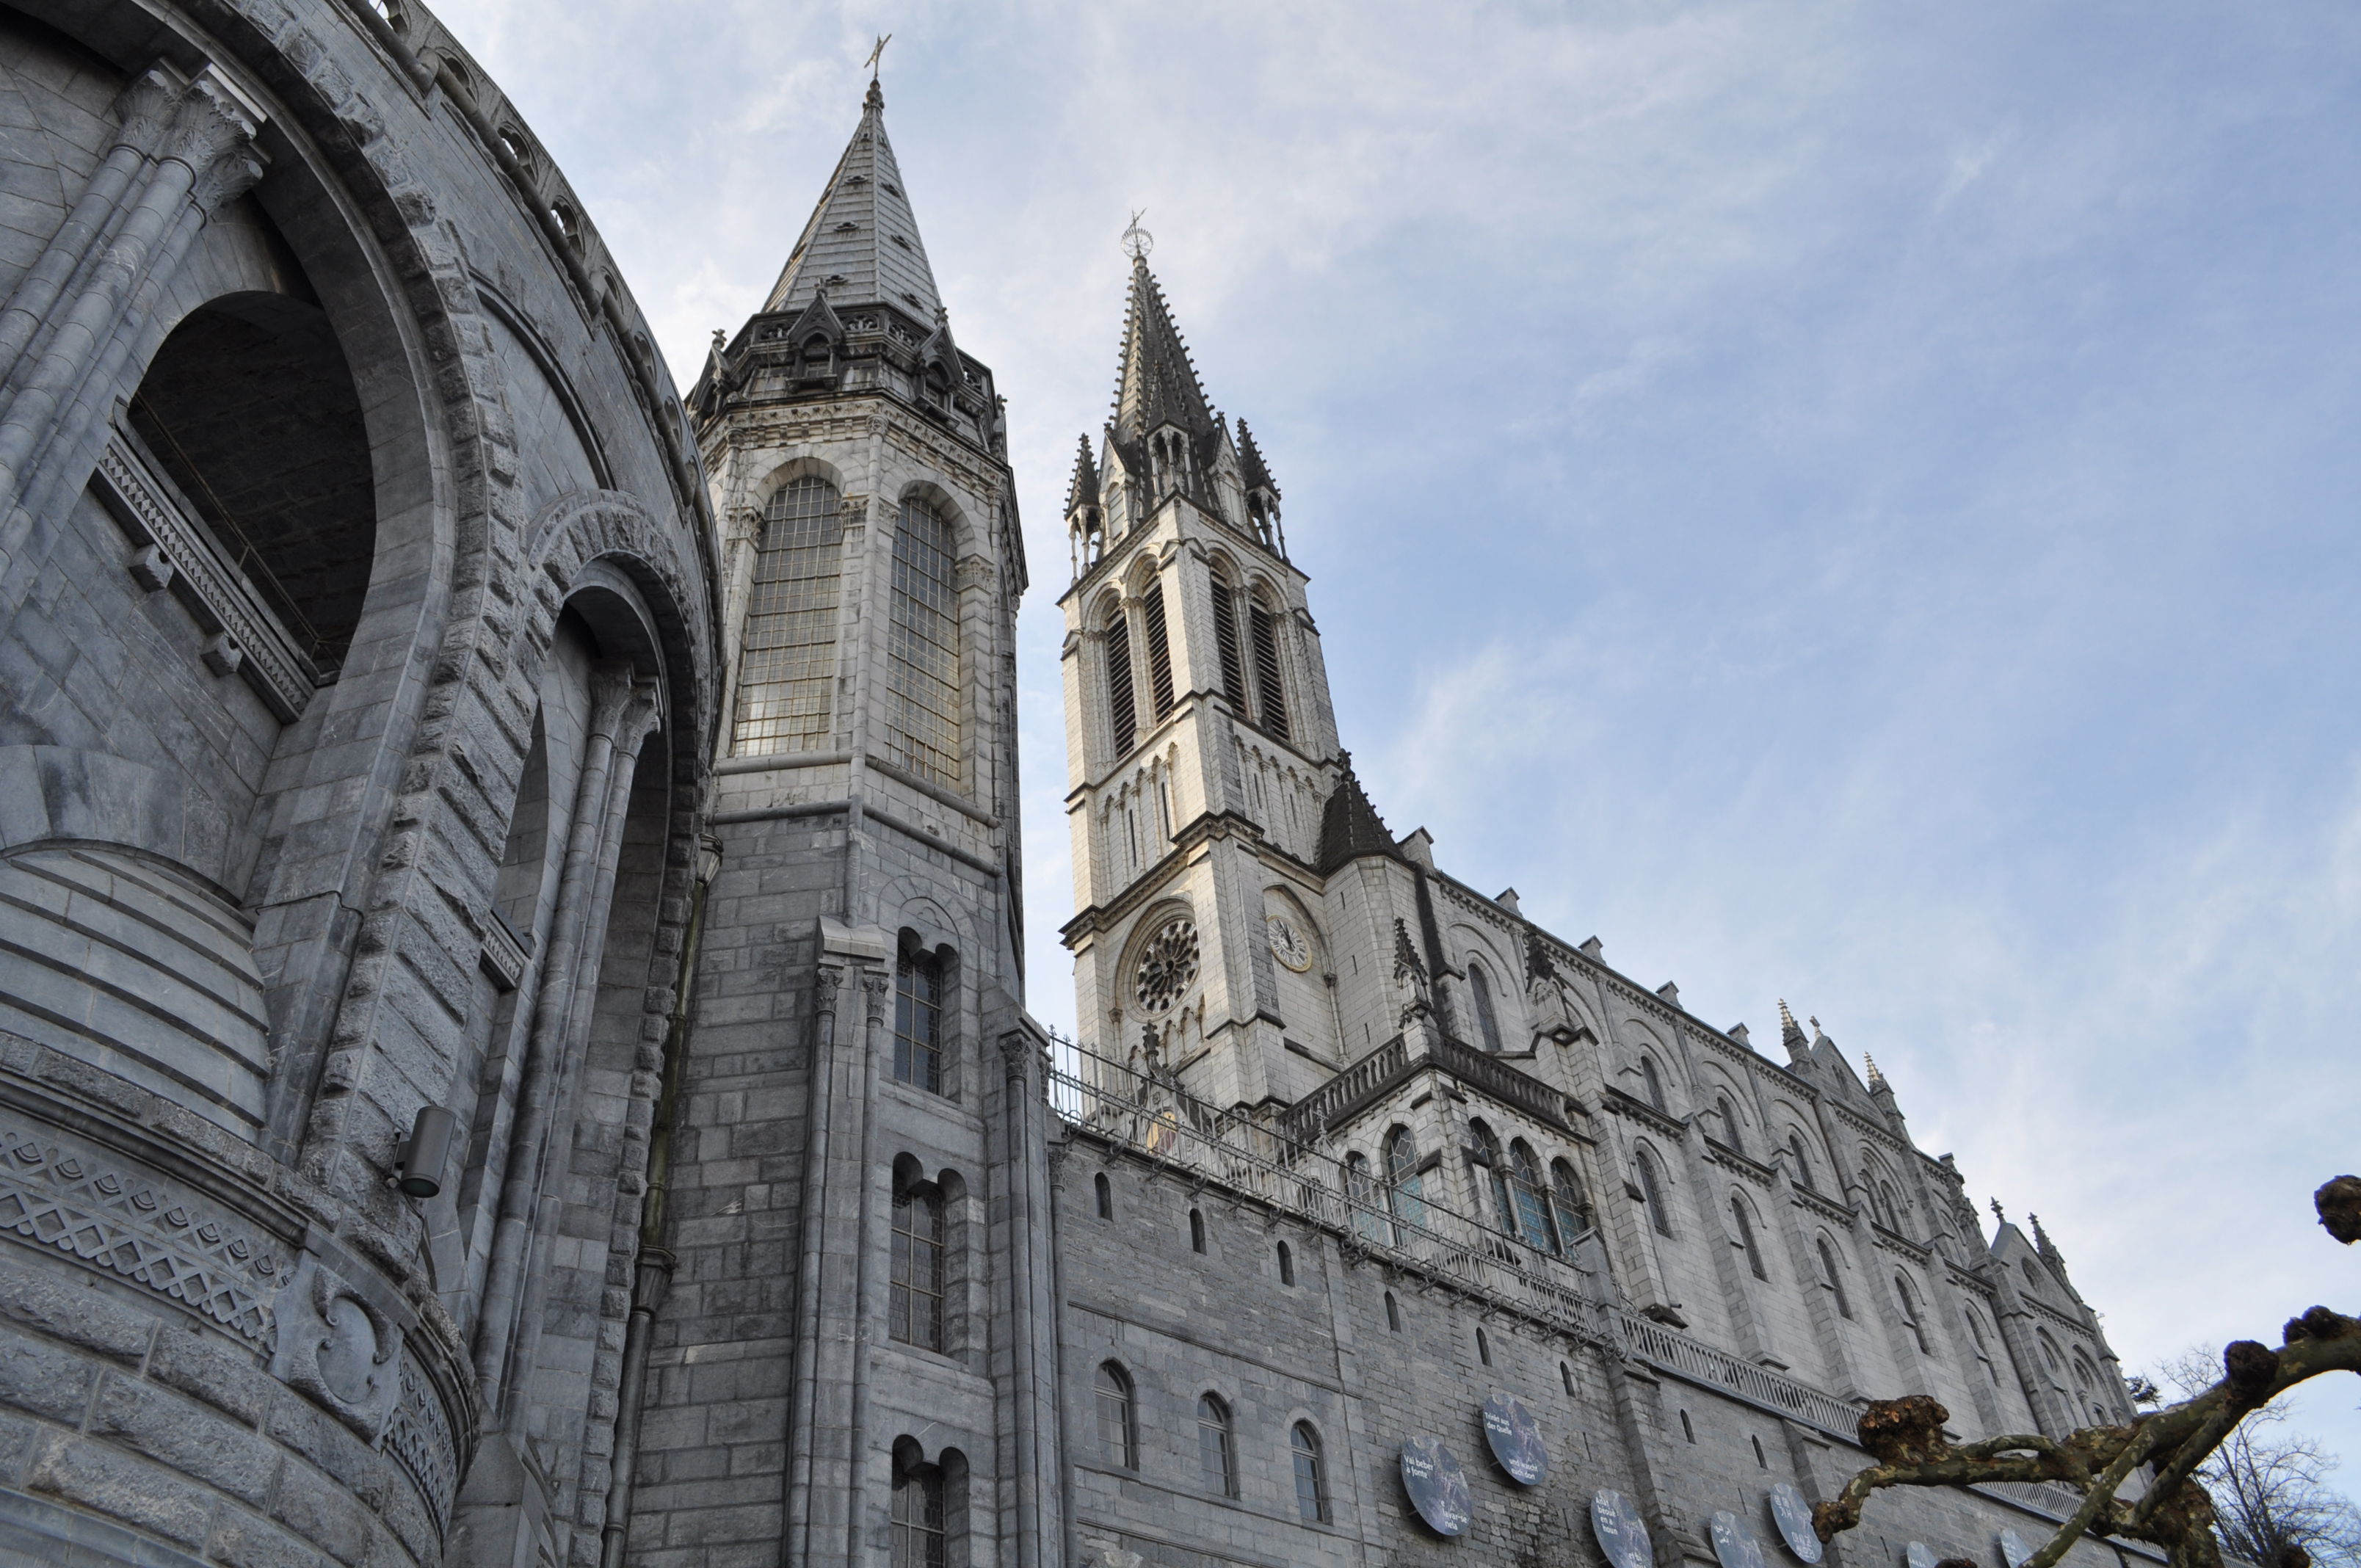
{"x": 877, "y": 54}
{"x": 1137, "y": 241}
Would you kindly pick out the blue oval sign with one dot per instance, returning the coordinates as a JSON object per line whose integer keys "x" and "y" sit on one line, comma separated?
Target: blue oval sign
{"x": 2012, "y": 1550}
{"x": 1918, "y": 1554}
{"x": 1515, "y": 1438}
{"x": 1620, "y": 1534}
{"x": 1794, "y": 1518}
{"x": 1734, "y": 1545}
{"x": 1437, "y": 1486}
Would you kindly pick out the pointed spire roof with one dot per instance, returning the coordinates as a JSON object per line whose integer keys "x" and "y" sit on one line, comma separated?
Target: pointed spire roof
{"x": 1155, "y": 382}
{"x": 861, "y": 243}
{"x": 1791, "y": 1034}
{"x": 1083, "y": 491}
{"x": 1349, "y": 826}
{"x": 1868, "y": 1068}
{"x": 1251, "y": 467}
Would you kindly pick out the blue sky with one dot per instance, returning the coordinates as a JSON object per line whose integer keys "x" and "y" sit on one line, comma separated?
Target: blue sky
{"x": 1845, "y": 501}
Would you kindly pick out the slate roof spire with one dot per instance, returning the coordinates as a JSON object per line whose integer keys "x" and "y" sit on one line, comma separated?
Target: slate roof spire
{"x": 1349, "y": 826}
{"x": 1251, "y": 467}
{"x": 862, "y": 241}
{"x": 1155, "y": 382}
{"x": 1083, "y": 490}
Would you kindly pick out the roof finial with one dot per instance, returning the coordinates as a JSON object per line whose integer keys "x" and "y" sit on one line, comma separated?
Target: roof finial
{"x": 877, "y": 54}
{"x": 1876, "y": 1079}
{"x": 1137, "y": 241}
{"x": 1998, "y": 1212}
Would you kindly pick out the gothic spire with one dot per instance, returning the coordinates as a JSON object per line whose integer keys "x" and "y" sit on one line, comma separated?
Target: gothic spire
{"x": 1349, "y": 826}
{"x": 1791, "y": 1034}
{"x": 1155, "y": 382}
{"x": 1251, "y": 467}
{"x": 1083, "y": 491}
{"x": 861, "y": 243}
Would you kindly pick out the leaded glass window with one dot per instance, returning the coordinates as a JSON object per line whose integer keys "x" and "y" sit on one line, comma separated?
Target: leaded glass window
{"x": 786, "y": 668}
{"x": 921, "y": 1537}
{"x": 1311, "y": 1483}
{"x": 918, "y": 1023}
{"x": 922, "y": 650}
{"x": 1572, "y": 1209}
{"x": 1118, "y": 1417}
{"x": 1835, "y": 1280}
{"x": 1653, "y": 1188}
{"x": 1532, "y": 1205}
{"x": 915, "y": 1296}
{"x": 1487, "y": 1022}
{"x": 1404, "y": 1186}
{"x": 1746, "y": 1237}
{"x": 1216, "y": 1454}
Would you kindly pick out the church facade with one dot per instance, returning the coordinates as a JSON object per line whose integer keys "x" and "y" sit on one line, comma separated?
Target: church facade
{"x": 512, "y": 1038}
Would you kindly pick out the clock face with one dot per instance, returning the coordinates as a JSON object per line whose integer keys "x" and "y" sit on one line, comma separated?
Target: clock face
{"x": 1166, "y": 965}
{"x": 1288, "y": 944}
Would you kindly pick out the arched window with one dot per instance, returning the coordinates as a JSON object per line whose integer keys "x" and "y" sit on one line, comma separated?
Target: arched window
{"x": 1483, "y": 1347}
{"x": 1571, "y": 1209}
{"x": 1892, "y": 1209}
{"x": 1909, "y": 1299}
{"x": 1761, "y": 1460}
{"x": 1393, "y": 1314}
{"x": 1361, "y": 1197}
{"x": 1311, "y": 1479}
{"x": 787, "y": 670}
{"x": 1654, "y": 1081}
{"x": 1746, "y": 1237}
{"x": 1532, "y": 1203}
{"x": 1270, "y": 692}
{"x": 1285, "y": 1265}
{"x": 1216, "y": 1454}
{"x": 1225, "y": 640}
{"x": 922, "y": 649}
{"x": 1983, "y": 1346}
{"x": 2032, "y": 1275}
{"x": 1196, "y": 1230}
{"x": 1652, "y": 1189}
{"x": 1105, "y": 1196}
{"x": 1833, "y": 1280}
{"x": 1730, "y": 1132}
{"x": 1118, "y": 1417}
{"x": 1160, "y": 650}
{"x": 918, "y": 1023}
{"x": 921, "y": 1536}
{"x": 1123, "y": 709}
{"x": 1496, "y": 1175}
{"x": 1487, "y": 1022}
{"x": 1803, "y": 1161}
{"x": 915, "y": 1296}
{"x": 1565, "y": 1376}
{"x": 1404, "y": 1186}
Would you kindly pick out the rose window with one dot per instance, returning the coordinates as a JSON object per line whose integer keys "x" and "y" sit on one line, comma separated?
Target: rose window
{"x": 1166, "y": 965}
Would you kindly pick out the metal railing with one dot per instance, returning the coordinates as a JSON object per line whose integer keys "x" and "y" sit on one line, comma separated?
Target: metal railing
{"x": 1149, "y": 1114}
{"x": 1365, "y": 1082}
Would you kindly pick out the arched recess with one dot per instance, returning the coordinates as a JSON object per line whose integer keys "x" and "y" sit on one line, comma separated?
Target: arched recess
{"x": 249, "y": 408}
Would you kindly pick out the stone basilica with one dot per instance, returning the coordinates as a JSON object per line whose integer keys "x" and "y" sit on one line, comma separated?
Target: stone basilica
{"x": 512, "y": 1046}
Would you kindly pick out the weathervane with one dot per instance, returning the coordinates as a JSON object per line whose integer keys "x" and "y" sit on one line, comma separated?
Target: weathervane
{"x": 1137, "y": 241}
{"x": 877, "y": 54}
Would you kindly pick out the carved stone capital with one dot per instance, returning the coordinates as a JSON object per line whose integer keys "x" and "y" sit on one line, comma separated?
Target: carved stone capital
{"x": 877, "y": 986}
{"x": 1017, "y": 1053}
{"x": 212, "y": 120}
{"x": 226, "y": 178}
{"x": 142, "y": 108}
{"x": 825, "y": 987}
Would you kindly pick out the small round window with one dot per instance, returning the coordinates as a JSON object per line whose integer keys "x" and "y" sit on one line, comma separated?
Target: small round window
{"x": 1167, "y": 965}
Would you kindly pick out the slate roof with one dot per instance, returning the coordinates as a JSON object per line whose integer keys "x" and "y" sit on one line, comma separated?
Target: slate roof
{"x": 1251, "y": 467}
{"x": 1155, "y": 382}
{"x": 1084, "y": 488}
{"x": 861, "y": 243}
{"x": 1349, "y": 826}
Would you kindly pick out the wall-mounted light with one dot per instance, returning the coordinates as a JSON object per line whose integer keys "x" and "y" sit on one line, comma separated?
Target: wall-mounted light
{"x": 419, "y": 1159}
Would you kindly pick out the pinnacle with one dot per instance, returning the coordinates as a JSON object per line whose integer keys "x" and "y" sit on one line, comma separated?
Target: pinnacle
{"x": 862, "y": 241}
{"x": 1084, "y": 488}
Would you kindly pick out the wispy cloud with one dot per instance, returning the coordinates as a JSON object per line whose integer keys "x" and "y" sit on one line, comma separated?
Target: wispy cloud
{"x": 1843, "y": 500}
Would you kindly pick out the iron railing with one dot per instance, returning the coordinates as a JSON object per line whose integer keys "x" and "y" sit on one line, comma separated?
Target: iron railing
{"x": 1375, "y": 1075}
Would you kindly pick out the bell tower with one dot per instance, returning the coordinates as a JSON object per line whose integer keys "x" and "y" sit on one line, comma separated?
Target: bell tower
{"x": 1200, "y": 748}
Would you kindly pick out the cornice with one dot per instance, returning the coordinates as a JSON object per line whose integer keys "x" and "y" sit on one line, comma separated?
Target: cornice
{"x": 1823, "y": 1205}
{"x": 1722, "y": 1154}
{"x": 1615, "y": 1102}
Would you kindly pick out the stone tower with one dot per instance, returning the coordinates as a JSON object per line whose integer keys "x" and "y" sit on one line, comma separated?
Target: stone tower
{"x": 851, "y": 1344}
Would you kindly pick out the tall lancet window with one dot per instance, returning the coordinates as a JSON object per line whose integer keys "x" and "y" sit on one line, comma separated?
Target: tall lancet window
{"x": 786, "y": 671}
{"x": 1488, "y": 1022}
{"x": 1270, "y": 693}
{"x": 1123, "y": 712}
{"x": 1226, "y": 637}
{"x": 1159, "y": 651}
{"x": 922, "y": 649}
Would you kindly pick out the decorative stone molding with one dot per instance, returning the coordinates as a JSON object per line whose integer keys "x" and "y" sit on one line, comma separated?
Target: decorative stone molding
{"x": 339, "y": 1348}
{"x": 171, "y": 547}
{"x": 421, "y": 1441}
{"x": 504, "y": 953}
{"x": 122, "y": 1223}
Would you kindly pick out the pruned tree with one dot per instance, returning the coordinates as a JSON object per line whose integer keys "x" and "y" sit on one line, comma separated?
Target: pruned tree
{"x": 2270, "y": 1488}
{"x": 2173, "y": 1511}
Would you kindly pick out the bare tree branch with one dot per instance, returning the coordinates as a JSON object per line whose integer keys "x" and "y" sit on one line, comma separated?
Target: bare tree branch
{"x": 1905, "y": 1437}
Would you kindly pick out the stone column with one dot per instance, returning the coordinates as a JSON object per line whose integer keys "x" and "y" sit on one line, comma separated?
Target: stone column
{"x": 1030, "y": 1512}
